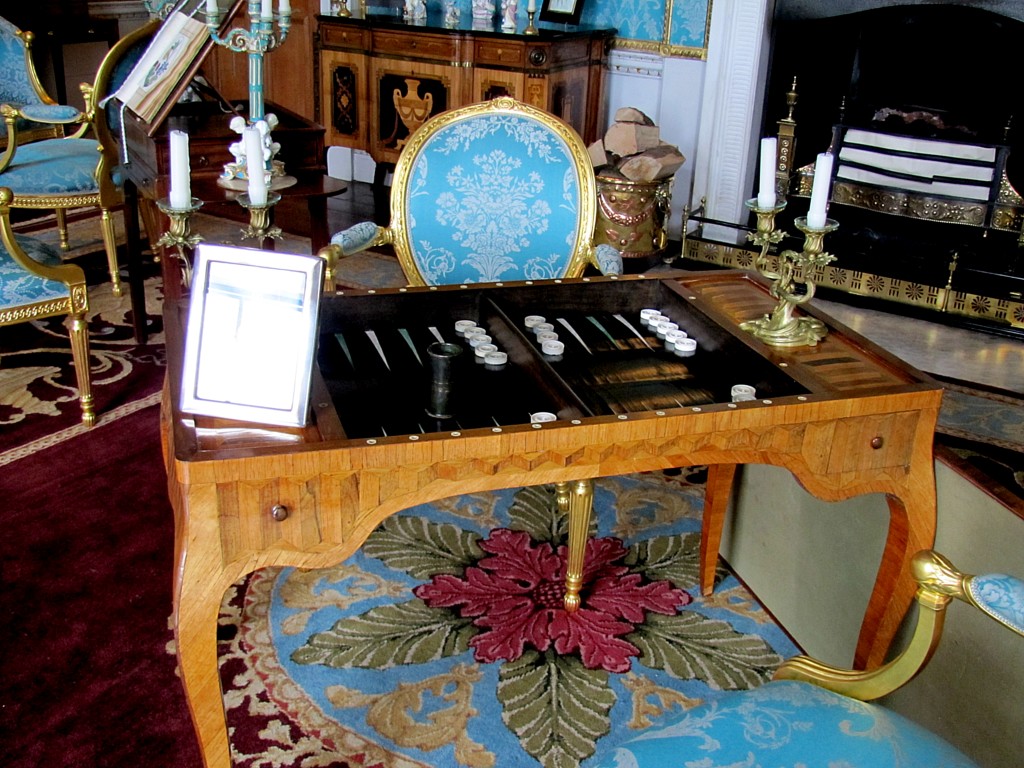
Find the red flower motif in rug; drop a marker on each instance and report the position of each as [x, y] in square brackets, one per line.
[516, 593]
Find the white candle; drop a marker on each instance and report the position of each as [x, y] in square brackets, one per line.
[254, 166]
[532, 6]
[285, 7]
[267, 9]
[819, 191]
[180, 196]
[766, 189]
[211, 8]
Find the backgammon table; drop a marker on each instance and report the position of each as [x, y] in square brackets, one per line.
[843, 416]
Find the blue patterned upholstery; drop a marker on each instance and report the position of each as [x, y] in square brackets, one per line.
[491, 192]
[492, 198]
[786, 723]
[74, 172]
[16, 84]
[54, 167]
[18, 287]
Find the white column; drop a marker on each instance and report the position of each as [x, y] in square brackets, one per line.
[726, 157]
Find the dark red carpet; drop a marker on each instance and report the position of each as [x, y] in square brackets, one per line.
[86, 593]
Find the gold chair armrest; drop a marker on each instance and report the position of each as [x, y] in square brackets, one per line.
[939, 582]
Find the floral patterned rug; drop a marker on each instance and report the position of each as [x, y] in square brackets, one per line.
[443, 642]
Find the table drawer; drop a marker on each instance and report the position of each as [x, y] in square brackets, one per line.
[403, 45]
[504, 53]
[339, 36]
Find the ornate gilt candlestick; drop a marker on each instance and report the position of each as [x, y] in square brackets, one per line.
[179, 235]
[791, 286]
[259, 218]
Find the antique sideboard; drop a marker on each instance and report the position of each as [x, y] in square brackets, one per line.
[380, 77]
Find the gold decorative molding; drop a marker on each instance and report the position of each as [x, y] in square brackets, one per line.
[661, 48]
[1008, 313]
[46, 309]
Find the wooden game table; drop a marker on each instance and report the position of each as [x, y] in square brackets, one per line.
[845, 417]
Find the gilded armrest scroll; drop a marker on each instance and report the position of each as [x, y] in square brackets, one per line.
[998, 595]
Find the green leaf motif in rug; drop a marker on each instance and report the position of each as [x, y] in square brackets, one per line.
[557, 707]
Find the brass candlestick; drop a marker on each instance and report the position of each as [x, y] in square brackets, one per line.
[259, 218]
[530, 28]
[791, 285]
[179, 235]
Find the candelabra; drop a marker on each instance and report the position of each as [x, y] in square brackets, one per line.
[780, 328]
[258, 40]
[179, 235]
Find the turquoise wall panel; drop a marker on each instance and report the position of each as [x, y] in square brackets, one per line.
[671, 27]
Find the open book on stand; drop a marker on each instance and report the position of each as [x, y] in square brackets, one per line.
[156, 77]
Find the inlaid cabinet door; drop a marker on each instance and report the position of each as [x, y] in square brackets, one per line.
[405, 94]
[344, 98]
[492, 83]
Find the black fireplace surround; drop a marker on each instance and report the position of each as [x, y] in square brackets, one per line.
[948, 72]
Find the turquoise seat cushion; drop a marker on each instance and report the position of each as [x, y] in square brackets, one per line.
[19, 288]
[785, 724]
[53, 167]
[51, 113]
[493, 198]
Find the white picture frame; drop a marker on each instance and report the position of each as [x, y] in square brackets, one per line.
[250, 339]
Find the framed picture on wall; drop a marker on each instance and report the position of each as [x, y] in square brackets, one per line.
[561, 11]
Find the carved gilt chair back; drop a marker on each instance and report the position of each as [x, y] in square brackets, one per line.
[494, 191]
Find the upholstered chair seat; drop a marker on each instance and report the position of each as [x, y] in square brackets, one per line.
[64, 167]
[34, 284]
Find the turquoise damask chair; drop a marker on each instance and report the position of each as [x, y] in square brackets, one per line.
[34, 284]
[75, 172]
[495, 191]
[814, 715]
[39, 117]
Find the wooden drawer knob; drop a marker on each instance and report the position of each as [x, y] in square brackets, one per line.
[279, 512]
[877, 442]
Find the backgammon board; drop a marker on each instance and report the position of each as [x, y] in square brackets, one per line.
[845, 417]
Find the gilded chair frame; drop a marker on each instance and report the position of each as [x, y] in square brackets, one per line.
[75, 305]
[398, 233]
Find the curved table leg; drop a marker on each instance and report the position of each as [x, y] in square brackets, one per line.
[577, 499]
[911, 529]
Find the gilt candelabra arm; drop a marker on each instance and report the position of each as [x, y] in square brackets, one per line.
[179, 236]
[256, 41]
[765, 235]
[792, 288]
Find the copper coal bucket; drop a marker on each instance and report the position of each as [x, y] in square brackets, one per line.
[631, 215]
